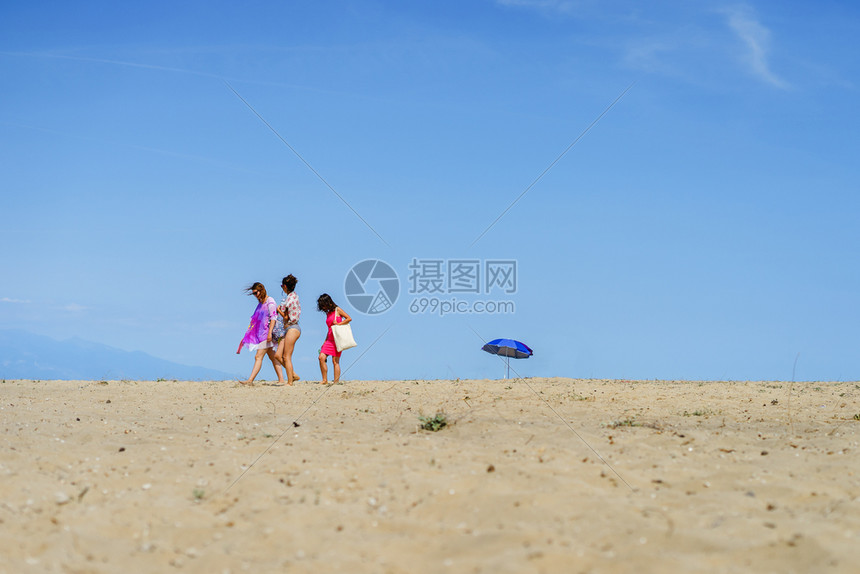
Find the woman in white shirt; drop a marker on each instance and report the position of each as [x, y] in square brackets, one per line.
[289, 312]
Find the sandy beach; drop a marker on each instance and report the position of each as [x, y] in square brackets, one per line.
[533, 475]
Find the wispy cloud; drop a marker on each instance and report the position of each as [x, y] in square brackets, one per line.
[222, 325]
[143, 66]
[50, 55]
[73, 308]
[649, 55]
[756, 38]
[561, 6]
[164, 152]
[9, 300]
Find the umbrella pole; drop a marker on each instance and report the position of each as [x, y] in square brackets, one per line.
[507, 367]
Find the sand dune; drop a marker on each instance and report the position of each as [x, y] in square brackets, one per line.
[535, 475]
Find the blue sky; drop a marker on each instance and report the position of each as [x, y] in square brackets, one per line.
[704, 228]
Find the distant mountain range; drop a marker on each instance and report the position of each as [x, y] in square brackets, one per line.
[27, 356]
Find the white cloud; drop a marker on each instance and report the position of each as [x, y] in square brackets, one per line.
[8, 300]
[73, 307]
[757, 41]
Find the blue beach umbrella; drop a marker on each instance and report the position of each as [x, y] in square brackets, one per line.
[508, 348]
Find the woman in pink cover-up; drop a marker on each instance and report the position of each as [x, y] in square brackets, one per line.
[332, 315]
[258, 337]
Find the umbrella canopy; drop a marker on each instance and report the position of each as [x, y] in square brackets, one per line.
[508, 348]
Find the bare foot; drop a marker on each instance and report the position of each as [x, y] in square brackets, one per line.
[296, 377]
[247, 383]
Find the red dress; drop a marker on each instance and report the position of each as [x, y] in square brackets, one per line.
[328, 347]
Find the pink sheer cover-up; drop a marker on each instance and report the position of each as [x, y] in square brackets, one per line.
[258, 331]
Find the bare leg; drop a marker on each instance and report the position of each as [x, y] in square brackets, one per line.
[323, 368]
[279, 353]
[276, 362]
[280, 350]
[336, 362]
[258, 363]
[289, 343]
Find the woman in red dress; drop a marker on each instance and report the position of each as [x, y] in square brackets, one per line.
[333, 314]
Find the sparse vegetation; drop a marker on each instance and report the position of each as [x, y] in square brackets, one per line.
[699, 413]
[857, 417]
[434, 423]
[198, 494]
[625, 423]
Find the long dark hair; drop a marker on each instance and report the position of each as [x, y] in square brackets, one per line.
[325, 304]
[256, 286]
[289, 282]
